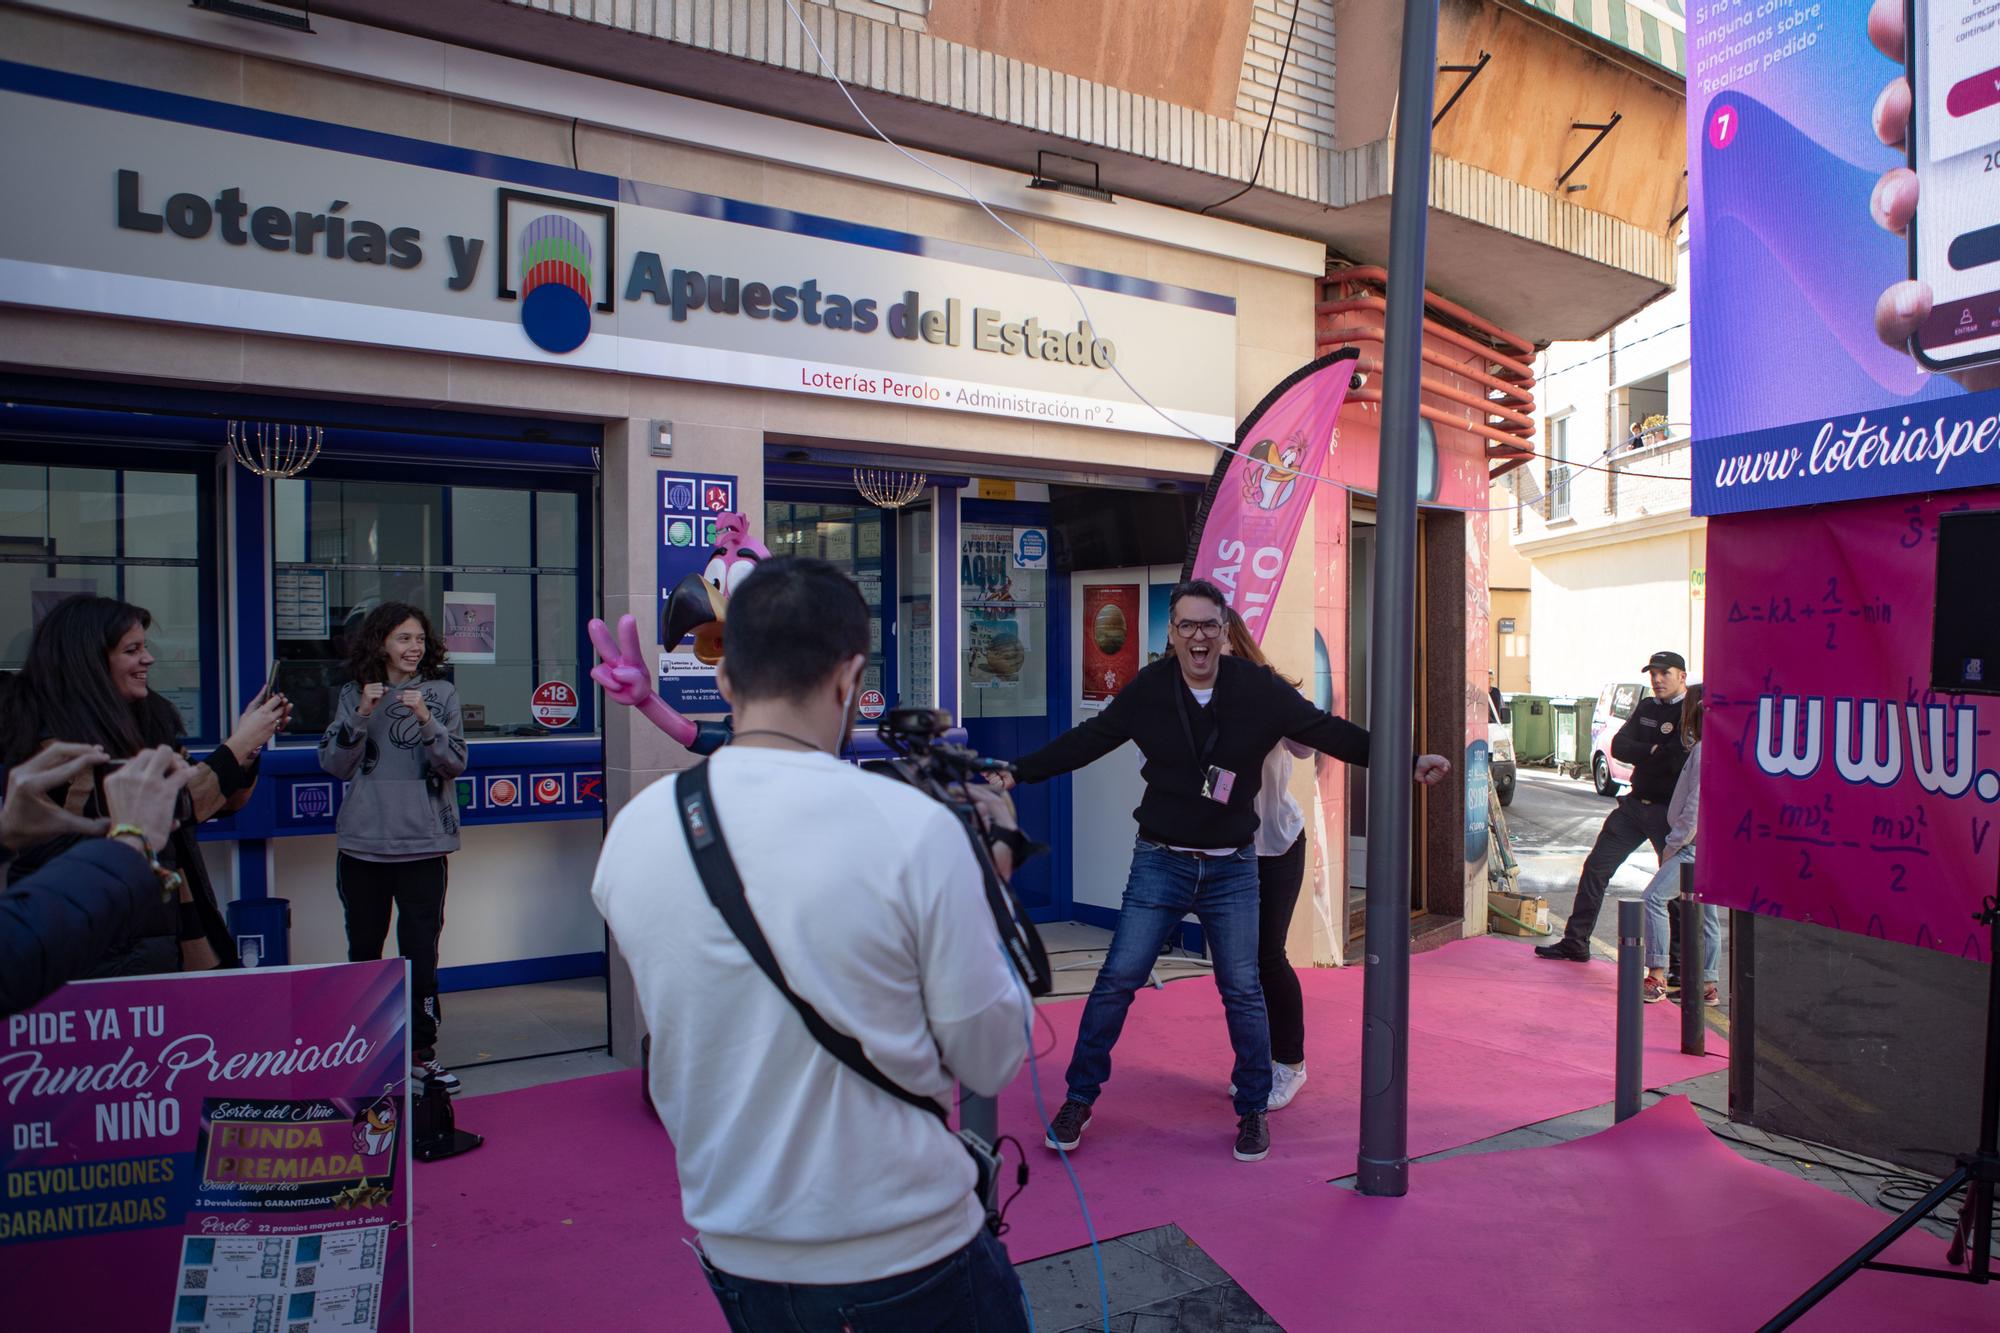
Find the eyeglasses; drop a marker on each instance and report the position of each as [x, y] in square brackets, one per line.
[1198, 629]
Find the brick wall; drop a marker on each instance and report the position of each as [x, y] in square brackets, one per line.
[1305, 95]
[897, 13]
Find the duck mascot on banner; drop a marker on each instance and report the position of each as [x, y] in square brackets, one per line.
[698, 605]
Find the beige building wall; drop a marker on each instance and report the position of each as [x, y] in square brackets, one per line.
[1509, 580]
[1604, 609]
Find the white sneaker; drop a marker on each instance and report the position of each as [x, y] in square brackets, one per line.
[430, 1072]
[1285, 1085]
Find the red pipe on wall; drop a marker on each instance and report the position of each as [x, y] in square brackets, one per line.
[1328, 339]
[1376, 305]
[1373, 276]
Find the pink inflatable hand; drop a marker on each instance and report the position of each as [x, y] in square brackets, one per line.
[626, 680]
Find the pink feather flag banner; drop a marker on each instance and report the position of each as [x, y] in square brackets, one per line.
[1256, 502]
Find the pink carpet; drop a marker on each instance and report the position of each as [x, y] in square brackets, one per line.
[569, 1217]
[1498, 1039]
[1652, 1224]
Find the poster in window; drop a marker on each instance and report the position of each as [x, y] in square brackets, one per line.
[1110, 641]
[689, 510]
[299, 604]
[471, 627]
[46, 594]
[1159, 610]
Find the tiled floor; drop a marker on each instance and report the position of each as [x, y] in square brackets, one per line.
[519, 1036]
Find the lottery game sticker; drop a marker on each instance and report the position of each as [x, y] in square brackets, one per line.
[338, 1308]
[233, 1265]
[339, 1258]
[226, 1314]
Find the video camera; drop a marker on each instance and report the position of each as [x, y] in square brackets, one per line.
[943, 770]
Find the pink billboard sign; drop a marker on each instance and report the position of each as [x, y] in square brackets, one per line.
[1258, 499]
[1837, 787]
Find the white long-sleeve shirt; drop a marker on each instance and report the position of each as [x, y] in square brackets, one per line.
[1682, 809]
[792, 1167]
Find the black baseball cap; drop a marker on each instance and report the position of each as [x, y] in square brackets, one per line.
[1666, 661]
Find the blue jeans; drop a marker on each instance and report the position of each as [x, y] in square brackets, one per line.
[1165, 886]
[1666, 887]
[974, 1290]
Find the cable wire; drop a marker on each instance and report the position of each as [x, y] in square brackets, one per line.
[1264, 141]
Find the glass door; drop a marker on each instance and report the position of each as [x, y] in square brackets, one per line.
[1013, 660]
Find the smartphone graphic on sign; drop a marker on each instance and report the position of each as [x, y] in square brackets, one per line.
[1952, 57]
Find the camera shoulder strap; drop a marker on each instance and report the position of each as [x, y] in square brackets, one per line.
[725, 889]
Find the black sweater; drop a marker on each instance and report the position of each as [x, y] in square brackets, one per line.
[1252, 709]
[1650, 741]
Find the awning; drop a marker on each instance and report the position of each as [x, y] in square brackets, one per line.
[1655, 32]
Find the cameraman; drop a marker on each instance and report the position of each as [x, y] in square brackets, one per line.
[816, 1195]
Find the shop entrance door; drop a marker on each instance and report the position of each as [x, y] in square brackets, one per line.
[1118, 624]
[1013, 666]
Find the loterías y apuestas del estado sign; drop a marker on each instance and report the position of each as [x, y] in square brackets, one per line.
[274, 224]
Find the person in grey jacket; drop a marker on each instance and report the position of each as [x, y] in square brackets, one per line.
[397, 740]
[1683, 811]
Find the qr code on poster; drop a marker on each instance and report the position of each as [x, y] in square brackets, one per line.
[299, 1328]
[196, 1279]
[307, 1275]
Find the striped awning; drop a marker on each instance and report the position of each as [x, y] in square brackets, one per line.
[1641, 29]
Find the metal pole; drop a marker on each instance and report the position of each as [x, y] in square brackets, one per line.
[1742, 1015]
[1694, 963]
[1383, 1164]
[1631, 1006]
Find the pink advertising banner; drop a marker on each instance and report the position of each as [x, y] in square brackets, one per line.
[1257, 500]
[1837, 788]
[209, 1151]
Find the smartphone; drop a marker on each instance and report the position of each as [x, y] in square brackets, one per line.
[271, 681]
[1953, 142]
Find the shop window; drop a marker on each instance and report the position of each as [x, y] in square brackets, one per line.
[138, 534]
[502, 571]
[1003, 626]
[1559, 469]
[916, 661]
[859, 539]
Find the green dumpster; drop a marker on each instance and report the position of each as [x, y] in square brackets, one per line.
[1572, 728]
[1534, 728]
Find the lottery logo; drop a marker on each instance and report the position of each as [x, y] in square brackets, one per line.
[716, 497]
[555, 283]
[547, 788]
[590, 788]
[502, 792]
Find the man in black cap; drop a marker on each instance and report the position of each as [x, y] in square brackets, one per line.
[1650, 741]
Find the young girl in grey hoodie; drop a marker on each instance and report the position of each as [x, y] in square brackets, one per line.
[398, 742]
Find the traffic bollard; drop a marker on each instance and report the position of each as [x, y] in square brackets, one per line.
[1631, 1007]
[1694, 969]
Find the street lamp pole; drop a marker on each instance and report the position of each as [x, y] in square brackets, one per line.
[1383, 1166]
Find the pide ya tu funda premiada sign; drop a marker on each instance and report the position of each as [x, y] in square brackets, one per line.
[157, 206]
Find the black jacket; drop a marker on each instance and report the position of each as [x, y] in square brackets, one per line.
[57, 924]
[153, 943]
[1651, 742]
[1251, 711]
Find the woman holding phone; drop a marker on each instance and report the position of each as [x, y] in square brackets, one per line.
[87, 680]
[397, 740]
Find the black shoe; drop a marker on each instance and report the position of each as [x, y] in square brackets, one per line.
[1253, 1138]
[1070, 1122]
[1567, 950]
[1673, 983]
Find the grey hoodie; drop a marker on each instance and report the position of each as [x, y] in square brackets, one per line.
[402, 801]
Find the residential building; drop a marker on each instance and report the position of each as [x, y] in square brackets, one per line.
[1615, 558]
